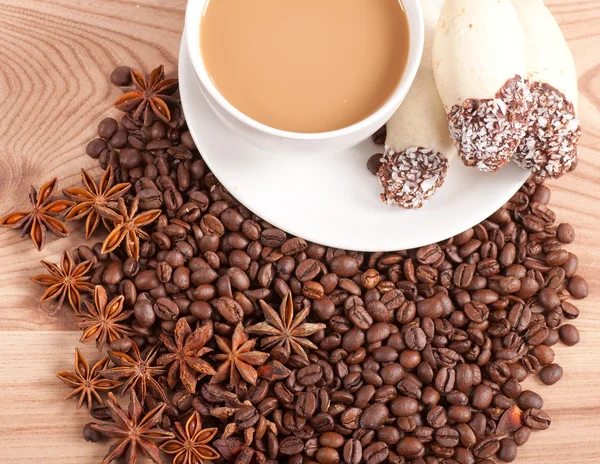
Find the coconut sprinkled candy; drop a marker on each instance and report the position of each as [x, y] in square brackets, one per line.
[480, 69]
[549, 148]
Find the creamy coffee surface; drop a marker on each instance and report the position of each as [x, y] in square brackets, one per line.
[305, 65]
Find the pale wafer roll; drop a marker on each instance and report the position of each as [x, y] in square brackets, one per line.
[418, 144]
[479, 68]
[549, 148]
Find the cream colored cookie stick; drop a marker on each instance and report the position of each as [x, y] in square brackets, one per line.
[479, 67]
[548, 57]
[418, 144]
[549, 148]
[421, 120]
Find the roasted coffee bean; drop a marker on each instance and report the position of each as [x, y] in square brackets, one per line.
[459, 414]
[91, 435]
[389, 435]
[530, 399]
[353, 451]
[374, 417]
[331, 440]
[430, 307]
[229, 309]
[512, 388]
[415, 338]
[309, 375]
[359, 316]
[392, 373]
[410, 359]
[246, 416]
[565, 233]
[409, 447]
[553, 337]
[290, 446]
[476, 311]
[322, 422]
[544, 354]
[313, 290]
[326, 456]
[437, 417]
[144, 313]
[376, 453]
[146, 280]
[445, 379]
[385, 354]
[486, 448]
[404, 406]
[569, 334]
[482, 397]
[351, 416]
[536, 419]
[430, 254]
[447, 437]
[466, 435]
[166, 309]
[578, 287]
[344, 265]
[122, 345]
[463, 275]
[548, 298]
[121, 76]
[522, 435]
[551, 374]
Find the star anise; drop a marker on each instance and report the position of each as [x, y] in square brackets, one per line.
[185, 351]
[191, 445]
[136, 432]
[103, 322]
[67, 280]
[86, 382]
[137, 373]
[127, 227]
[148, 95]
[92, 196]
[238, 358]
[284, 329]
[42, 217]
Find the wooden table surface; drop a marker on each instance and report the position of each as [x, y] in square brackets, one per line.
[55, 57]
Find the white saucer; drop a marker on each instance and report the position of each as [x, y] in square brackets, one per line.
[334, 200]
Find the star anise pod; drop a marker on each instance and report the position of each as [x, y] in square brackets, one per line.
[42, 217]
[137, 373]
[238, 358]
[136, 432]
[127, 227]
[185, 351]
[284, 329]
[92, 196]
[67, 280]
[148, 95]
[103, 321]
[86, 382]
[191, 445]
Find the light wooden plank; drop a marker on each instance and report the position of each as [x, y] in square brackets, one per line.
[56, 56]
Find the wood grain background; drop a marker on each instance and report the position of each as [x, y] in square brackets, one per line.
[55, 57]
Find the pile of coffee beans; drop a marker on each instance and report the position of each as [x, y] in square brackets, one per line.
[423, 352]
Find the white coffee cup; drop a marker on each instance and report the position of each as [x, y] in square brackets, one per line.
[279, 141]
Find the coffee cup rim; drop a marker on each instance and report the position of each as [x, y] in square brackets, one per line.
[193, 16]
